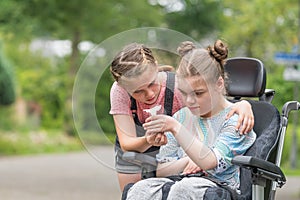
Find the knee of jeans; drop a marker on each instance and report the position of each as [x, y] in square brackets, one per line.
[178, 187]
[182, 186]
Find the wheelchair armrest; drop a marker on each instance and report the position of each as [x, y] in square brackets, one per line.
[289, 106]
[268, 95]
[261, 168]
[139, 158]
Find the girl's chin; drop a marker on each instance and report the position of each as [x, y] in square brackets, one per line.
[195, 111]
[151, 101]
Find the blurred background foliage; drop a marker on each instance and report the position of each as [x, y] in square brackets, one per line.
[36, 80]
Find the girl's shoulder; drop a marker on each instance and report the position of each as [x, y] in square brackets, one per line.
[116, 87]
[116, 91]
[184, 114]
[232, 119]
[220, 119]
[119, 100]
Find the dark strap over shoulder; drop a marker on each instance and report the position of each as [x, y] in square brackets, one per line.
[169, 93]
[133, 109]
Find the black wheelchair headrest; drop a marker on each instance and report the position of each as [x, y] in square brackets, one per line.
[247, 77]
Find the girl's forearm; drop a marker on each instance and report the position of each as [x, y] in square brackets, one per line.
[194, 148]
[139, 144]
[126, 131]
[171, 168]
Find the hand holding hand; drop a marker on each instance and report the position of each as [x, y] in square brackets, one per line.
[156, 139]
[160, 124]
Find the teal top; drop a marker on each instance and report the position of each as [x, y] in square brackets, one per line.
[219, 135]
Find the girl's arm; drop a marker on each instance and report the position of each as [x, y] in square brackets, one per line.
[184, 165]
[126, 131]
[198, 152]
[246, 118]
[125, 128]
[203, 156]
[172, 167]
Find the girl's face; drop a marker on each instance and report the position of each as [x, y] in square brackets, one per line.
[144, 88]
[201, 97]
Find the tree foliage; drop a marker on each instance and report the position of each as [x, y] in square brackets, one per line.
[198, 18]
[7, 86]
[259, 29]
[255, 28]
[49, 84]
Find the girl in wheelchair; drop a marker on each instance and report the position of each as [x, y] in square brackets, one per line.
[200, 138]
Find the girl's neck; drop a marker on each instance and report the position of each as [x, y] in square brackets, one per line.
[223, 104]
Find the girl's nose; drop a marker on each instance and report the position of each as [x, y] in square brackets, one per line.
[149, 93]
[190, 99]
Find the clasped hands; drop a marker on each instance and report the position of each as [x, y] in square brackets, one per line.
[155, 127]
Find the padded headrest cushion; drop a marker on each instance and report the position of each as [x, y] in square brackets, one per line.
[247, 77]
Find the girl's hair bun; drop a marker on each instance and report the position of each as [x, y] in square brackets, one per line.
[185, 47]
[219, 51]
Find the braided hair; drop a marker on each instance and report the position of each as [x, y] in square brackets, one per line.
[132, 61]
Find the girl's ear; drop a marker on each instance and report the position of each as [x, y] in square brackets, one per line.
[220, 84]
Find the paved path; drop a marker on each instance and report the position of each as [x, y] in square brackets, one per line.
[74, 176]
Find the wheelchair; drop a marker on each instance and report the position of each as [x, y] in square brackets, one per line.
[260, 174]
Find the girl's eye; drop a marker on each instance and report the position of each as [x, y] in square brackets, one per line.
[137, 92]
[199, 93]
[154, 83]
[183, 93]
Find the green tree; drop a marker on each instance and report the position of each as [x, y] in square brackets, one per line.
[89, 20]
[7, 86]
[259, 29]
[76, 21]
[197, 18]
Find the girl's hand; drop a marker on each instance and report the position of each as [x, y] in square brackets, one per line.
[156, 139]
[191, 168]
[160, 124]
[246, 118]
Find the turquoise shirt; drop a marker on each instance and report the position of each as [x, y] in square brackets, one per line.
[219, 135]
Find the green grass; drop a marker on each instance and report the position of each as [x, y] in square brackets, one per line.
[288, 171]
[285, 161]
[48, 141]
[97, 138]
[36, 142]
[291, 172]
